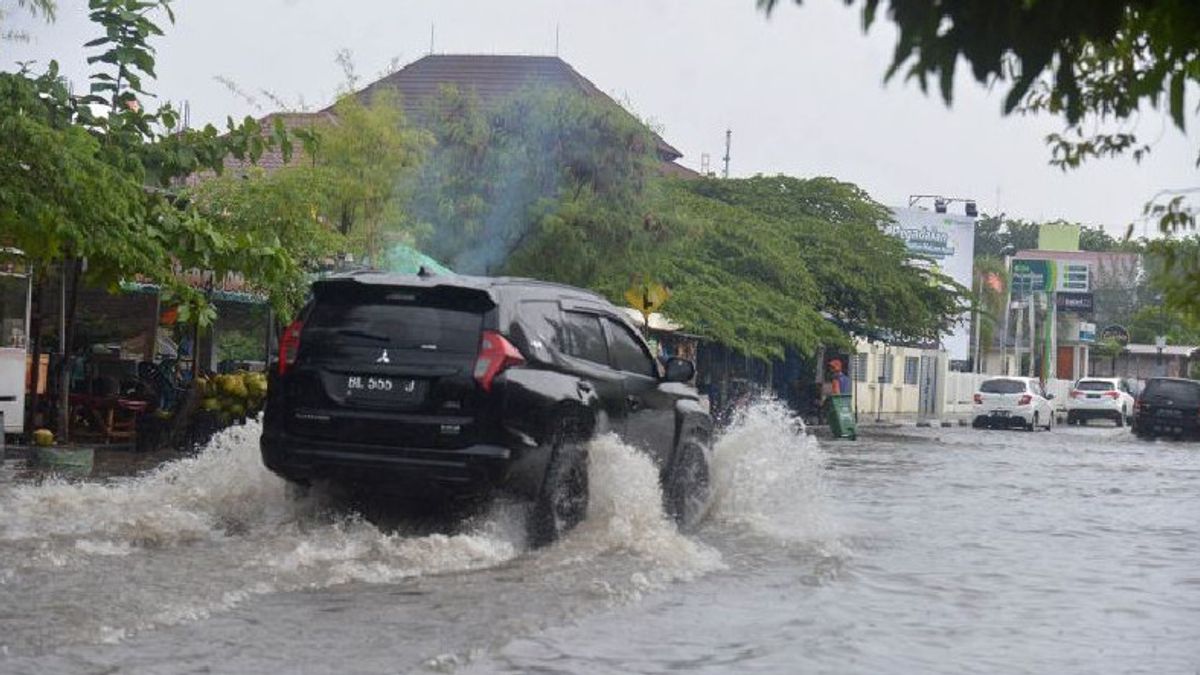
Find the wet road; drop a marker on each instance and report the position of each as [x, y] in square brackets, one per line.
[950, 551]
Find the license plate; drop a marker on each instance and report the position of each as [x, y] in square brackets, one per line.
[1093, 395]
[1169, 412]
[999, 413]
[383, 389]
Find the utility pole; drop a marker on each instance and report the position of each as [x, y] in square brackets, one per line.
[1051, 359]
[728, 138]
[1019, 330]
[1033, 303]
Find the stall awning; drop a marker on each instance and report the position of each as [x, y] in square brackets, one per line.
[231, 289]
[404, 259]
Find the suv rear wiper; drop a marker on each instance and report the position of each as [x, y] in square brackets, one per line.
[363, 334]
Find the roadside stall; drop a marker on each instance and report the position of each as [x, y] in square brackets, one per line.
[216, 360]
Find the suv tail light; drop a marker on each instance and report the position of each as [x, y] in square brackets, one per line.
[1112, 394]
[495, 355]
[978, 399]
[289, 345]
[1075, 393]
[1025, 399]
[1137, 404]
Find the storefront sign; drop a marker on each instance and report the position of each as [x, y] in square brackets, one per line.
[1119, 334]
[1080, 303]
[1087, 332]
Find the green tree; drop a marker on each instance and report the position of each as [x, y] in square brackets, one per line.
[996, 234]
[546, 164]
[867, 280]
[1096, 239]
[1173, 270]
[361, 159]
[81, 178]
[564, 188]
[1094, 65]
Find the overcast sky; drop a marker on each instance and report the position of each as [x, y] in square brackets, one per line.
[802, 90]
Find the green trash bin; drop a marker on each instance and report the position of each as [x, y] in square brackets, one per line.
[841, 416]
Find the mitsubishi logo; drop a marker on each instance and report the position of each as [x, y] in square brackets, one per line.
[383, 358]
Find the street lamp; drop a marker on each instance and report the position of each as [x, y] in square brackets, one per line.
[941, 204]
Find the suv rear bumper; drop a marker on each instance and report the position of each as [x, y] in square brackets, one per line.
[1186, 427]
[476, 469]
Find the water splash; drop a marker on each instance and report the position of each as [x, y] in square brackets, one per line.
[218, 528]
[223, 489]
[204, 534]
[768, 476]
[625, 513]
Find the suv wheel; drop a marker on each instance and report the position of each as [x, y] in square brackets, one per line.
[687, 487]
[562, 502]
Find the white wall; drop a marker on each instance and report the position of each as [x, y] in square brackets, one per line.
[961, 387]
[899, 399]
[959, 391]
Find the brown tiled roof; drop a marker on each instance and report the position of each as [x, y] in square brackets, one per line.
[491, 77]
[673, 170]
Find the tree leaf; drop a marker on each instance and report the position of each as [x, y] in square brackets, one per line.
[1177, 99]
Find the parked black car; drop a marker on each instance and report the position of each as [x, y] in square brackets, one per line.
[1168, 406]
[448, 386]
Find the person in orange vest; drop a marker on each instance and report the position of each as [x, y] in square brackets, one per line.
[839, 382]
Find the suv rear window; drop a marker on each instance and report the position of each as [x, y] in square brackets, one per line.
[1185, 393]
[1003, 387]
[1095, 385]
[397, 318]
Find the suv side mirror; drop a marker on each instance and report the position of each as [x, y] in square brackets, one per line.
[1049, 397]
[680, 370]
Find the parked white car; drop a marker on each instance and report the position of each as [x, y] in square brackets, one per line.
[1013, 402]
[1100, 397]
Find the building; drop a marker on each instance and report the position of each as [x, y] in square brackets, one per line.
[1060, 301]
[1139, 361]
[492, 78]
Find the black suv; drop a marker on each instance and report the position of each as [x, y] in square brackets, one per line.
[1168, 406]
[447, 386]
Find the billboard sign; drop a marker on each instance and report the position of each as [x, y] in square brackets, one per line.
[1032, 276]
[948, 242]
[1044, 276]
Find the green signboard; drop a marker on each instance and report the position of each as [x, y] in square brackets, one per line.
[1031, 276]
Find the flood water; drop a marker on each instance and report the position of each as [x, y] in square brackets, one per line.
[943, 550]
